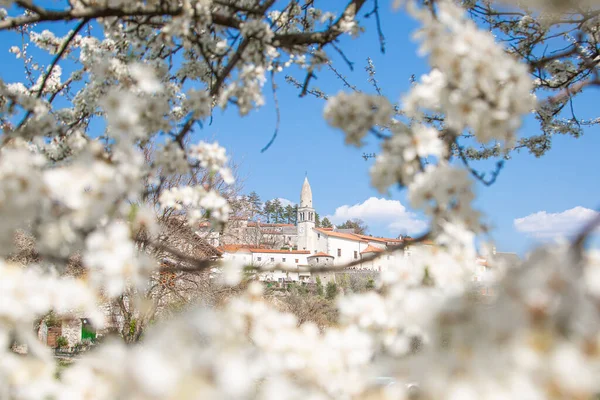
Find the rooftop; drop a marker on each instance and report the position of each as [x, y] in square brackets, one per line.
[234, 248]
[320, 254]
[279, 251]
[371, 249]
[347, 236]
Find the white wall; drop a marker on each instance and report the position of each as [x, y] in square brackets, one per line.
[347, 247]
[240, 256]
[284, 258]
[268, 259]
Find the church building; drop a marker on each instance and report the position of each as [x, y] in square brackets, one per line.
[315, 247]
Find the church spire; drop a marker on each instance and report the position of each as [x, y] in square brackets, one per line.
[306, 195]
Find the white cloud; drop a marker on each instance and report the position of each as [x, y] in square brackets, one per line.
[544, 225]
[390, 215]
[285, 202]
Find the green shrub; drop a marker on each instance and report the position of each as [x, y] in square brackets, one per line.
[370, 284]
[331, 290]
[61, 342]
[52, 320]
[319, 286]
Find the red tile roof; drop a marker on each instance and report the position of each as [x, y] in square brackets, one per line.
[233, 248]
[347, 236]
[371, 249]
[320, 254]
[377, 239]
[268, 225]
[279, 251]
[357, 236]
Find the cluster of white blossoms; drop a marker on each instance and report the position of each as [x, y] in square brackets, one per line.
[476, 84]
[212, 157]
[78, 180]
[198, 203]
[113, 261]
[357, 113]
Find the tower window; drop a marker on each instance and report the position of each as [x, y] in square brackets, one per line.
[339, 252]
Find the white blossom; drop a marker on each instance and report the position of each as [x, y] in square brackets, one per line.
[356, 114]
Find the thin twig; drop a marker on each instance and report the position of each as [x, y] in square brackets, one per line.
[375, 11]
[480, 176]
[61, 52]
[277, 113]
[390, 249]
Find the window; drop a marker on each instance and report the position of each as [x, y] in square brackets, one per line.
[355, 254]
[317, 259]
[283, 259]
[272, 259]
[388, 258]
[296, 261]
[258, 258]
[339, 252]
[318, 236]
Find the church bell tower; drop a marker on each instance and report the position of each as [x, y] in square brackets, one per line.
[306, 219]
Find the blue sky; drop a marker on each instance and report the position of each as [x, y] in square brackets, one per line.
[565, 178]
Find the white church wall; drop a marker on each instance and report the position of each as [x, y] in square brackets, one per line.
[321, 243]
[344, 250]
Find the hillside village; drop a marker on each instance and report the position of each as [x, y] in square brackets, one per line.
[298, 248]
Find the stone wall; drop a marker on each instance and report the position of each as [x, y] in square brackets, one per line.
[71, 329]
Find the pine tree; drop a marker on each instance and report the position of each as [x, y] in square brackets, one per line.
[326, 223]
[268, 210]
[357, 225]
[277, 210]
[289, 214]
[254, 204]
